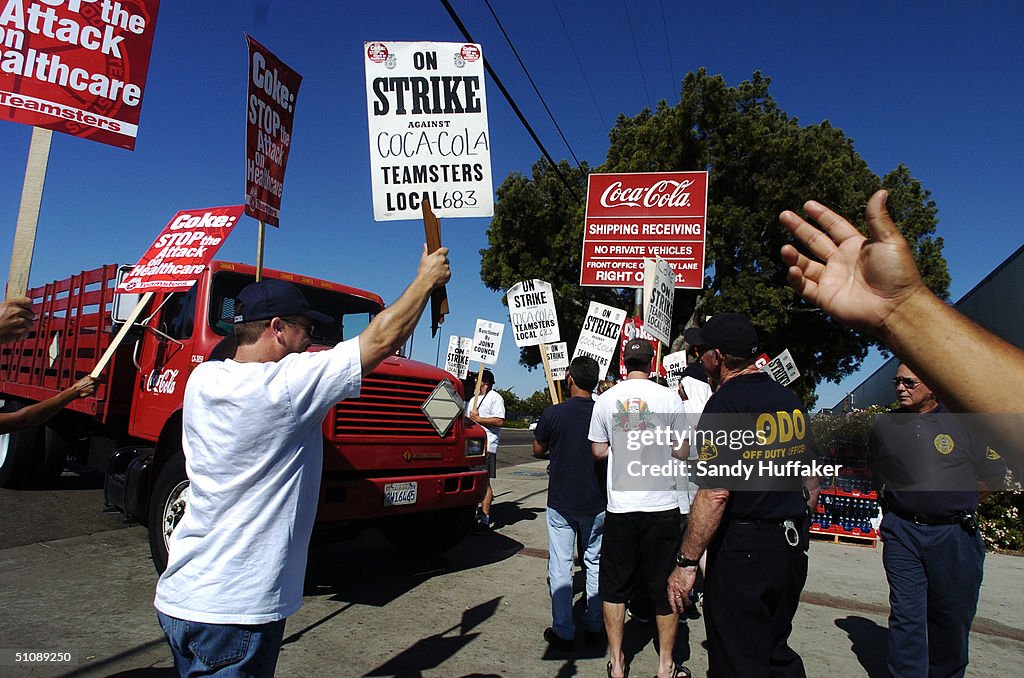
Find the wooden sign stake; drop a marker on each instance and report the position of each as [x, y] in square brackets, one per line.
[28, 212]
[439, 297]
[547, 374]
[259, 251]
[122, 333]
[476, 390]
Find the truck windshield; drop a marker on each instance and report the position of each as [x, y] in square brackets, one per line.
[353, 313]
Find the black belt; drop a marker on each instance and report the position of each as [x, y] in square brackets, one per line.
[925, 519]
[757, 522]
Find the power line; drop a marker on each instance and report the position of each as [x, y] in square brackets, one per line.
[512, 103]
[636, 50]
[530, 78]
[668, 45]
[586, 80]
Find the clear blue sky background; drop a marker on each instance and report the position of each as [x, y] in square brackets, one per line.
[936, 86]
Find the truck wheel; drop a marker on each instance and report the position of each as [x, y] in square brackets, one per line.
[166, 507]
[19, 453]
[430, 533]
[57, 444]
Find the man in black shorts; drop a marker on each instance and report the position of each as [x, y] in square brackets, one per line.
[641, 529]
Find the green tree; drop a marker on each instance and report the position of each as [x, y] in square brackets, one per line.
[760, 162]
[535, 404]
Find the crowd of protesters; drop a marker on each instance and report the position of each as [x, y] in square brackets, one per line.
[252, 440]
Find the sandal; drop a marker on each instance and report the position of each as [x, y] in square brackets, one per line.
[625, 672]
[682, 672]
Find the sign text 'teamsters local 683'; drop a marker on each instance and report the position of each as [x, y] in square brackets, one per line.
[428, 129]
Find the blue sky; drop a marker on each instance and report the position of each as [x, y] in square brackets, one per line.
[936, 86]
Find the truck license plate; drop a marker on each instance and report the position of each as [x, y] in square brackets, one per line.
[399, 494]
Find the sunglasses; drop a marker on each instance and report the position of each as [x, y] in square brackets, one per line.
[308, 329]
[906, 382]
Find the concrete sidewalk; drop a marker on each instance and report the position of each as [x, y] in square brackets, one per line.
[477, 611]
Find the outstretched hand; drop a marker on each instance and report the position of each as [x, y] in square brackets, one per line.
[434, 267]
[862, 280]
[16, 318]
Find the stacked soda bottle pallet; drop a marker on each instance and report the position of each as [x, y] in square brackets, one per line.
[848, 510]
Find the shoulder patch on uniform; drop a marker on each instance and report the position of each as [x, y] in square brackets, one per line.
[708, 451]
[944, 443]
[992, 454]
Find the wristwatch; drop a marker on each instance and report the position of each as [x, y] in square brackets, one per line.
[683, 561]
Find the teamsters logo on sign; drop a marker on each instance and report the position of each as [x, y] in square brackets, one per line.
[632, 217]
[428, 129]
[76, 66]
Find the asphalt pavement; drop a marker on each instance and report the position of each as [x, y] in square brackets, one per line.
[478, 610]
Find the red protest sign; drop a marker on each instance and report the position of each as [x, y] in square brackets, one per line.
[631, 329]
[77, 67]
[182, 250]
[270, 110]
[631, 217]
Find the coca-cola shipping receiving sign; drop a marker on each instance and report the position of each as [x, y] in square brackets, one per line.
[77, 67]
[182, 251]
[270, 111]
[631, 217]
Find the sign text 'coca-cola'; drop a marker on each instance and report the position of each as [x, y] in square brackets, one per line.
[631, 217]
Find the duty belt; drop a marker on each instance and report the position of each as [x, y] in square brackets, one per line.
[925, 519]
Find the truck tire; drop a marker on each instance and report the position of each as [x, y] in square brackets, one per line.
[166, 507]
[19, 453]
[57, 444]
[430, 533]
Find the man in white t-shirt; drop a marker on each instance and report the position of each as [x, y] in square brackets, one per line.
[489, 412]
[254, 453]
[641, 529]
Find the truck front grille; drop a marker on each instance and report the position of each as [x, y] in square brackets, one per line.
[388, 407]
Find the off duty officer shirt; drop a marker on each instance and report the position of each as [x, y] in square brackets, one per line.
[577, 482]
[929, 463]
[736, 409]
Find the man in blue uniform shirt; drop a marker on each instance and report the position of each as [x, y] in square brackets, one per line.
[930, 469]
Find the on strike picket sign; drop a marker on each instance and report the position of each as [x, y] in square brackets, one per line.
[601, 329]
[674, 364]
[428, 129]
[270, 111]
[558, 359]
[659, 293]
[631, 217]
[182, 250]
[531, 306]
[77, 67]
[457, 357]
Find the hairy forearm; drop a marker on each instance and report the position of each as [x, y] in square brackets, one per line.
[705, 517]
[392, 326]
[935, 351]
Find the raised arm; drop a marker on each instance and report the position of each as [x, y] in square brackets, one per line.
[392, 326]
[872, 284]
[39, 413]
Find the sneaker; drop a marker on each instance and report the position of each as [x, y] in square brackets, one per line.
[556, 642]
[483, 523]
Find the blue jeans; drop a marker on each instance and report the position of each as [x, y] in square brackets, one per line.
[225, 650]
[562, 530]
[934, 574]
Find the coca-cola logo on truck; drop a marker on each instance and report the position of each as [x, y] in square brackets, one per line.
[664, 193]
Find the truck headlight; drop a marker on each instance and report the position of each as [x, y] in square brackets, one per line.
[475, 447]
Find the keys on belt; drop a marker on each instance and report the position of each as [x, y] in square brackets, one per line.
[789, 527]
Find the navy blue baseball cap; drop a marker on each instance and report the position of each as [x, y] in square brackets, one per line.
[272, 298]
[730, 333]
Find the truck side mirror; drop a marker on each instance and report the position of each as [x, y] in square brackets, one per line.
[123, 304]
